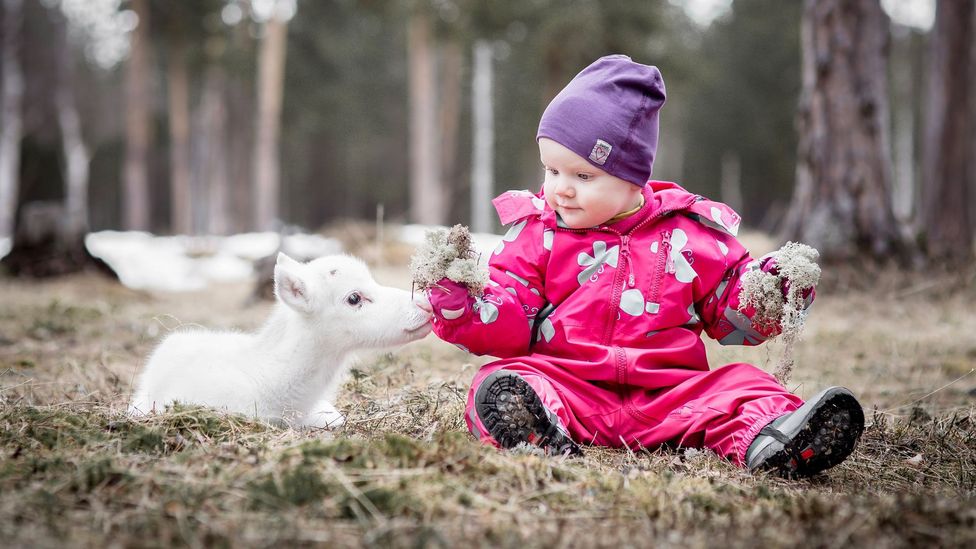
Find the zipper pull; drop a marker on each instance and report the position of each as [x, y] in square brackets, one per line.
[625, 254]
[666, 249]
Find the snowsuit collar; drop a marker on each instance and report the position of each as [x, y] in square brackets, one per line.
[659, 197]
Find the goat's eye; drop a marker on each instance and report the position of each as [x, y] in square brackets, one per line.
[354, 299]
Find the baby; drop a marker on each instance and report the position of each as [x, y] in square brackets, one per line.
[599, 294]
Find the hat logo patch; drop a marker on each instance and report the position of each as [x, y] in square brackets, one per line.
[600, 152]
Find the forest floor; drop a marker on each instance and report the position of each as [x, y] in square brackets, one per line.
[404, 472]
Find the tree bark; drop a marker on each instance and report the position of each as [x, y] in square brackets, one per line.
[41, 247]
[842, 200]
[948, 166]
[427, 199]
[181, 218]
[271, 80]
[135, 193]
[11, 117]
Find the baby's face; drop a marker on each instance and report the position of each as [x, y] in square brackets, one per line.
[583, 195]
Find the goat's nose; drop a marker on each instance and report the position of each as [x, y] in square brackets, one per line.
[421, 301]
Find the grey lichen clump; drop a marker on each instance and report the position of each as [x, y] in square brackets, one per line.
[448, 254]
[797, 265]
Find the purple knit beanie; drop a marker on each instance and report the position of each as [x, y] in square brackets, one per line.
[608, 114]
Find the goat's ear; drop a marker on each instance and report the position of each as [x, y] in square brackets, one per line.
[283, 259]
[290, 285]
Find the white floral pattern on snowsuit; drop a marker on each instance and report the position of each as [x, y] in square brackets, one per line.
[593, 264]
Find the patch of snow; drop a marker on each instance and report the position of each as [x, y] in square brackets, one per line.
[187, 263]
[251, 246]
[225, 268]
[254, 246]
[311, 245]
[147, 262]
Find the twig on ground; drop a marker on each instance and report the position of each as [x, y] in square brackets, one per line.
[920, 399]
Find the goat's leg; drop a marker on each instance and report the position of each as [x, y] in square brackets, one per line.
[323, 415]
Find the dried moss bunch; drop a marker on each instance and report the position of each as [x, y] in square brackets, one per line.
[448, 253]
[797, 264]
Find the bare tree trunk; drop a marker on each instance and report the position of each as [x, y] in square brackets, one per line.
[842, 201]
[555, 77]
[427, 199]
[138, 136]
[949, 168]
[452, 59]
[215, 159]
[199, 199]
[903, 194]
[483, 156]
[673, 162]
[49, 238]
[77, 157]
[905, 94]
[11, 123]
[271, 80]
[181, 219]
[731, 182]
[240, 101]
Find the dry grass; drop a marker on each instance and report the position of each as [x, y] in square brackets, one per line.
[403, 472]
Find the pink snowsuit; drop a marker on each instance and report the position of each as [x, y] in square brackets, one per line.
[605, 324]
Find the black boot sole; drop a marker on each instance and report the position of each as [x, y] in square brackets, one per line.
[513, 414]
[828, 437]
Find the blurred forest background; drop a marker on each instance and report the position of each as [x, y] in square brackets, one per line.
[848, 124]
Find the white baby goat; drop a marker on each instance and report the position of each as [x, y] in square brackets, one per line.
[289, 371]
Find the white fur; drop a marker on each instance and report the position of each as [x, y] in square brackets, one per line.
[287, 372]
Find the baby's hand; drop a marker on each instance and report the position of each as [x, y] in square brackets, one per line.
[448, 298]
[769, 264]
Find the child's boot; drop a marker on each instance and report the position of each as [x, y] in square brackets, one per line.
[513, 414]
[817, 436]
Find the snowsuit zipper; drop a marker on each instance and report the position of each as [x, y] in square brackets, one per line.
[664, 262]
[617, 286]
